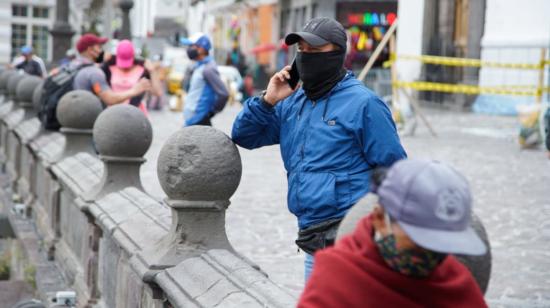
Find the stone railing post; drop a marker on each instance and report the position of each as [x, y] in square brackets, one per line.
[5, 110]
[76, 112]
[199, 168]
[24, 94]
[122, 135]
[26, 132]
[4, 76]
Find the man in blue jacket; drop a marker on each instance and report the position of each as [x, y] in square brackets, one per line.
[206, 92]
[332, 132]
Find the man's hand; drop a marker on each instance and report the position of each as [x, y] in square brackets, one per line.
[141, 86]
[278, 87]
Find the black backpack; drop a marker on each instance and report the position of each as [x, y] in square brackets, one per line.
[55, 86]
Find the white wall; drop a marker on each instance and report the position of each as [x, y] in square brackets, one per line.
[170, 8]
[5, 32]
[196, 18]
[410, 14]
[142, 17]
[515, 31]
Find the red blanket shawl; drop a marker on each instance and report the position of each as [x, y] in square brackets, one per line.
[353, 274]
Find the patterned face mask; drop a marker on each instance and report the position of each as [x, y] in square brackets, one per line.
[417, 263]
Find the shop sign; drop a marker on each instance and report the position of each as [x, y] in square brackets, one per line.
[371, 19]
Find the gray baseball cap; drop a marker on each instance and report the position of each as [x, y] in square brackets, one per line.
[432, 203]
[318, 32]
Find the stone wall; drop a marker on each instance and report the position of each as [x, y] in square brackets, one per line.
[113, 244]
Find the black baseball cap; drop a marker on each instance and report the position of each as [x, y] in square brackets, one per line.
[318, 32]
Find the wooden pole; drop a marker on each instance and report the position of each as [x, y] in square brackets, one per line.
[540, 85]
[393, 71]
[377, 51]
[418, 110]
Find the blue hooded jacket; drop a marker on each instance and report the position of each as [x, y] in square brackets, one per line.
[328, 146]
[206, 92]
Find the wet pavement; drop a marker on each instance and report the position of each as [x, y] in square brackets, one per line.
[511, 190]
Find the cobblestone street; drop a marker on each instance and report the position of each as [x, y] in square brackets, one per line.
[511, 191]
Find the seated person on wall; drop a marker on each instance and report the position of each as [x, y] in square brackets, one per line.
[398, 256]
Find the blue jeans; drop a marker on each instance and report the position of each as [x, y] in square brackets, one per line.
[308, 266]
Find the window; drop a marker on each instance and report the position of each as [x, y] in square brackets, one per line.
[18, 38]
[19, 10]
[40, 12]
[30, 27]
[40, 37]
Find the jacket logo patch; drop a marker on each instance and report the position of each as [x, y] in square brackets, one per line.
[331, 123]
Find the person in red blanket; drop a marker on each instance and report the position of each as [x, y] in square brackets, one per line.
[400, 255]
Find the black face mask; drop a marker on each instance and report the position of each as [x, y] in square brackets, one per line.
[192, 53]
[320, 71]
[100, 57]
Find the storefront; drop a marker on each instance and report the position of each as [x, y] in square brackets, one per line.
[366, 23]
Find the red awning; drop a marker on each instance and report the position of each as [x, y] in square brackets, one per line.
[265, 47]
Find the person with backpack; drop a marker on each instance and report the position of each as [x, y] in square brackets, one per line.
[91, 78]
[122, 72]
[206, 92]
[82, 74]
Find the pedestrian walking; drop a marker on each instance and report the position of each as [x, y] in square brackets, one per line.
[91, 78]
[206, 92]
[30, 63]
[332, 132]
[400, 255]
[122, 71]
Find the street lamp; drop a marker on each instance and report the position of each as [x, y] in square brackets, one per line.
[61, 31]
[126, 6]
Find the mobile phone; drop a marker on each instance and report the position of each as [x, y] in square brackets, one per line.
[294, 76]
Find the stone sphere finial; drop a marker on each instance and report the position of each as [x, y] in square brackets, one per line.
[199, 163]
[4, 77]
[25, 88]
[13, 82]
[37, 96]
[78, 109]
[123, 131]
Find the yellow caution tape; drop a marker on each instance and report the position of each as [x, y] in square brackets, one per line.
[451, 61]
[471, 89]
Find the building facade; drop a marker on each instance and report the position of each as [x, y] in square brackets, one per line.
[25, 22]
[515, 32]
[508, 31]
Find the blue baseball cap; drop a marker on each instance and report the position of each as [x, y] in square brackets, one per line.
[432, 203]
[199, 39]
[26, 50]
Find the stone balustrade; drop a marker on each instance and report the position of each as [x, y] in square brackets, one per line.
[115, 245]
